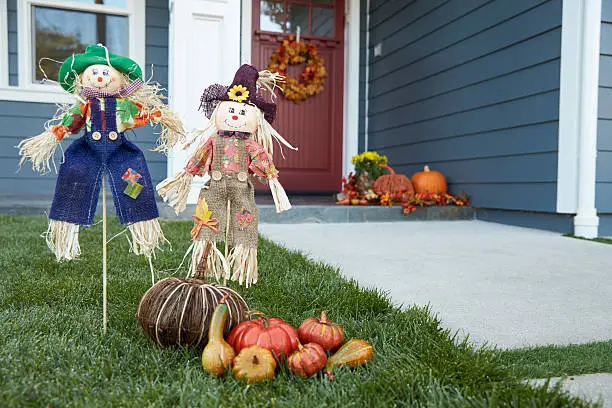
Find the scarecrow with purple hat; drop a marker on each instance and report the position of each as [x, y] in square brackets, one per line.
[111, 98]
[235, 148]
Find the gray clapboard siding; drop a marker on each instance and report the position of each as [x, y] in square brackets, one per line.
[19, 120]
[11, 7]
[471, 88]
[603, 193]
[605, 225]
[363, 11]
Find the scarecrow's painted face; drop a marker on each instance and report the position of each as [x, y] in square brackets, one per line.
[236, 116]
[102, 77]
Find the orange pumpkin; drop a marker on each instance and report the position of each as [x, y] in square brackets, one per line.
[307, 360]
[428, 181]
[270, 333]
[321, 331]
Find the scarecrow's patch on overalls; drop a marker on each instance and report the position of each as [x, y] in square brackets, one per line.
[102, 150]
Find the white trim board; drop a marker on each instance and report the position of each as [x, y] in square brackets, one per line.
[350, 145]
[569, 112]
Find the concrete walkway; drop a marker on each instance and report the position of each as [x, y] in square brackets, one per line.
[505, 286]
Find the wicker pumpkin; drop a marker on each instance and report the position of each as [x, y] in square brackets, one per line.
[179, 311]
[428, 181]
[398, 186]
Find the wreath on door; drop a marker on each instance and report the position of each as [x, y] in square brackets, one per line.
[311, 81]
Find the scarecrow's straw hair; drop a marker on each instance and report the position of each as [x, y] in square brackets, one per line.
[264, 135]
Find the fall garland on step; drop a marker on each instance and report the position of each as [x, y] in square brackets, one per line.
[311, 81]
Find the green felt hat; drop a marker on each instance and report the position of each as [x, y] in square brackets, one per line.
[96, 54]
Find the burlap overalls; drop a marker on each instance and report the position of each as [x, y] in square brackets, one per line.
[237, 188]
[102, 150]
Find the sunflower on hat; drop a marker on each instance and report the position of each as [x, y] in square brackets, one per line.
[238, 93]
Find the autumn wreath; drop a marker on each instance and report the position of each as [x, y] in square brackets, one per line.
[311, 80]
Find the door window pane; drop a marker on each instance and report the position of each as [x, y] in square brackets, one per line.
[323, 1]
[323, 21]
[271, 16]
[297, 15]
[56, 36]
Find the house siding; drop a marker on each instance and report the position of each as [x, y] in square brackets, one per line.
[470, 88]
[19, 120]
[363, 30]
[603, 191]
[11, 8]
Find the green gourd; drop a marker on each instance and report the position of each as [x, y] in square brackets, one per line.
[217, 356]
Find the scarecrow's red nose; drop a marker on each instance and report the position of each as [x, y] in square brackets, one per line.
[235, 117]
[99, 79]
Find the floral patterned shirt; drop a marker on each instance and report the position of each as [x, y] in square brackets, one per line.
[258, 160]
[130, 115]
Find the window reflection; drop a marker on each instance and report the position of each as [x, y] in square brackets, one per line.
[59, 33]
[271, 17]
[297, 15]
[323, 21]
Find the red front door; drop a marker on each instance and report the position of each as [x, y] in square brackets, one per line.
[315, 125]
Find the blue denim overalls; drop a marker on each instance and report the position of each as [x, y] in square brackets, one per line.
[101, 151]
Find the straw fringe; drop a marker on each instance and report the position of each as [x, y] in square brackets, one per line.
[281, 201]
[216, 264]
[63, 240]
[151, 96]
[175, 190]
[39, 150]
[243, 261]
[269, 80]
[147, 236]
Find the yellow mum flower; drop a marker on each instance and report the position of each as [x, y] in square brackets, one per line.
[238, 93]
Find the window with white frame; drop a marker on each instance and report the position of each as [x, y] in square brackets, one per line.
[49, 31]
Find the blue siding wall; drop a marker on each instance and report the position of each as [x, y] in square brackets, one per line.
[470, 88]
[19, 120]
[603, 196]
[11, 8]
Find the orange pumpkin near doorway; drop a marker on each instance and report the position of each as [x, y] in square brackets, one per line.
[428, 181]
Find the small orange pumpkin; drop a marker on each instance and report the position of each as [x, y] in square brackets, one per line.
[321, 331]
[428, 181]
[307, 360]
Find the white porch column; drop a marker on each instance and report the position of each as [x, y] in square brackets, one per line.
[204, 49]
[586, 221]
[351, 85]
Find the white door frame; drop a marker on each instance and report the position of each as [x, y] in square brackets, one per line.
[350, 125]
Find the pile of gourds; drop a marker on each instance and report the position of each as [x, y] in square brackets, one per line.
[254, 348]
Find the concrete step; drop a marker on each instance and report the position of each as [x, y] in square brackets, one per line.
[299, 213]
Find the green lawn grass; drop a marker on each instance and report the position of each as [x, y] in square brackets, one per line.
[600, 240]
[559, 361]
[53, 352]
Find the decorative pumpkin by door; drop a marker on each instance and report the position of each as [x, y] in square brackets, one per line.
[398, 186]
[428, 181]
[271, 333]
